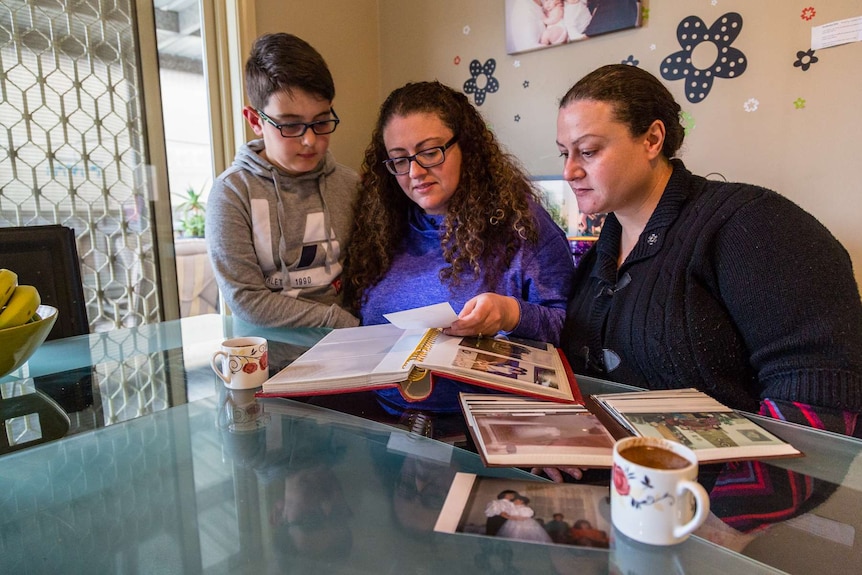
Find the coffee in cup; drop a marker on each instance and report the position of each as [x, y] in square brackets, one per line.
[655, 457]
[655, 496]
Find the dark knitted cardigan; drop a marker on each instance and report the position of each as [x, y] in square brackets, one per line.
[732, 289]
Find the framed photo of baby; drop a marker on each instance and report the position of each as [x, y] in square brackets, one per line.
[537, 24]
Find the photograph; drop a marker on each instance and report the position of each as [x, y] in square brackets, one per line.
[533, 511]
[701, 430]
[581, 229]
[523, 434]
[511, 349]
[538, 24]
[491, 364]
[546, 377]
[507, 367]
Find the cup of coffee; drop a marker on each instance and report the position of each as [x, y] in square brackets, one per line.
[242, 362]
[655, 496]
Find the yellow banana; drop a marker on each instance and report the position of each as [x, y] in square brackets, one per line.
[20, 307]
[8, 281]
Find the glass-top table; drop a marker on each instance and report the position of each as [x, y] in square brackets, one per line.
[163, 470]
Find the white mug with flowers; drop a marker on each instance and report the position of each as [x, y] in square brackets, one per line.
[242, 363]
[656, 498]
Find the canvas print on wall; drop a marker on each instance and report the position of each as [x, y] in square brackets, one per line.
[536, 24]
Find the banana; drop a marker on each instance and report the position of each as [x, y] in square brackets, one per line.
[20, 307]
[8, 281]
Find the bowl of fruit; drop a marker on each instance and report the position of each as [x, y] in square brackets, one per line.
[24, 322]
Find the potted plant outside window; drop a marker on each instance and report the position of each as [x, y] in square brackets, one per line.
[192, 208]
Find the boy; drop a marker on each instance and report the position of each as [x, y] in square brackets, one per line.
[279, 218]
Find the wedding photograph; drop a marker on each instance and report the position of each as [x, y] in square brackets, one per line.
[539, 512]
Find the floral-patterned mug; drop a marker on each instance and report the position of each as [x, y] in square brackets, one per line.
[655, 496]
[242, 362]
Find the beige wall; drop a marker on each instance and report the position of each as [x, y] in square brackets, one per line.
[810, 155]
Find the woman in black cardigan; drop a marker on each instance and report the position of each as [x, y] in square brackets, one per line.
[726, 287]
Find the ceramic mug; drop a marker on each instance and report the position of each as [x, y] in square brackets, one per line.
[655, 496]
[242, 362]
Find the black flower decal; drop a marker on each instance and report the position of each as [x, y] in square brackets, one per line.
[631, 61]
[483, 80]
[805, 59]
[729, 62]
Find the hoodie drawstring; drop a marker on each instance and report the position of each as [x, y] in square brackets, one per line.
[327, 227]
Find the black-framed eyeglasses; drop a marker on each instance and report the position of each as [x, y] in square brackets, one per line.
[427, 158]
[297, 129]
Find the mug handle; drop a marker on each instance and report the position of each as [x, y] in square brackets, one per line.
[218, 372]
[701, 498]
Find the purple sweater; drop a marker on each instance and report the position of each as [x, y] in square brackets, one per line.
[539, 277]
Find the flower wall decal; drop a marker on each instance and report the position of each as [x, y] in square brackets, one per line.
[808, 13]
[631, 61]
[687, 121]
[805, 59]
[751, 105]
[482, 81]
[799, 103]
[729, 62]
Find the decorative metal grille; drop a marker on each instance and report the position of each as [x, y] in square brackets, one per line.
[72, 147]
[72, 152]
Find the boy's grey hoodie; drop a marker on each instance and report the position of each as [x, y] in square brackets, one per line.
[277, 242]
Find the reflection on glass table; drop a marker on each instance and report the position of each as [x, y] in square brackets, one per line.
[110, 377]
[219, 481]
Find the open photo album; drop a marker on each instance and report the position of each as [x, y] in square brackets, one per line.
[527, 432]
[380, 356]
[712, 430]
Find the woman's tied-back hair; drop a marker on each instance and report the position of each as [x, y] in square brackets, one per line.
[488, 217]
[283, 62]
[639, 99]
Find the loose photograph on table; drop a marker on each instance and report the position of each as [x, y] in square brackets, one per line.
[534, 511]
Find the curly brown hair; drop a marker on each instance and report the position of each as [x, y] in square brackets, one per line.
[488, 218]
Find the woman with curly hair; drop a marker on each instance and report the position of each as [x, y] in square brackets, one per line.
[444, 214]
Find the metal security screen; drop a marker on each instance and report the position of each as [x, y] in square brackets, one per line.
[72, 147]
